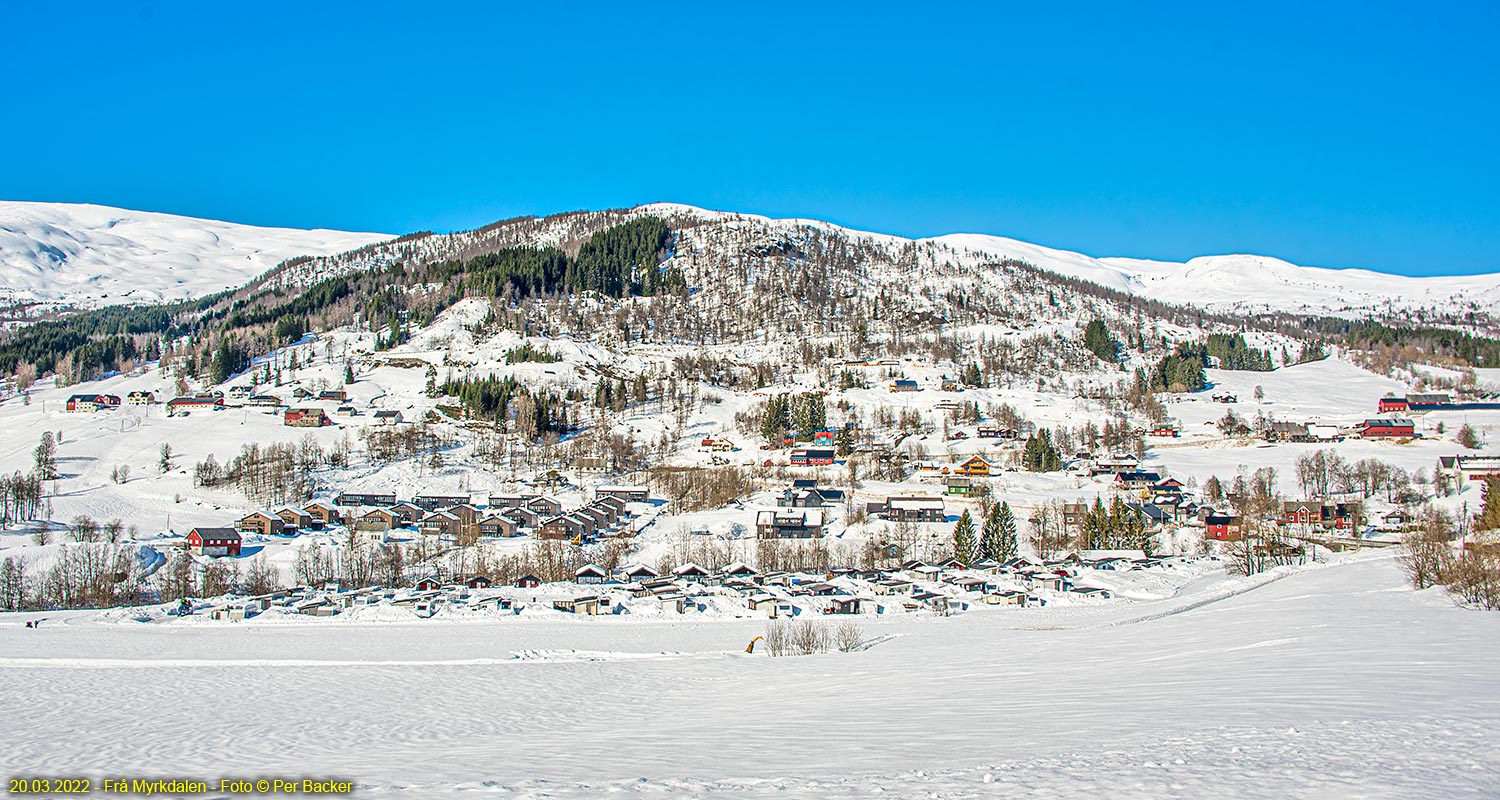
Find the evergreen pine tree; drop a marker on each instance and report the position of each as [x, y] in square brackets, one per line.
[1039, 454]
[1096, 527]
[1489, 516]
[965, 541]
[777, 419]
[999, 543]
[1096, 340]
[1030, 454]
[844, 441]
[1051, 460]
[971, 376]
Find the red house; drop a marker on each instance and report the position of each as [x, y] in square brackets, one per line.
[1388, 404]
[1387, 429]
[812, 456]
[305, 418]
[214, 541]
[92, 402]
[1337, 516]
[1222, 527]
[1164, 432]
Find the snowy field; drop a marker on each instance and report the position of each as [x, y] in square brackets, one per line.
[1329, 681]
[1333, 681]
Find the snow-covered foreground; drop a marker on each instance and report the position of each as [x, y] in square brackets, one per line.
[1335, 681]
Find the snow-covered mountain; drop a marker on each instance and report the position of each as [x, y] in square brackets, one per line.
[87, 255]
[1252, 283]
[60, 254]
[1246, 283]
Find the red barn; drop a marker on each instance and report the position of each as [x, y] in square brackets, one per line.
[1387, 429]
[214, 541]
[1388, 404]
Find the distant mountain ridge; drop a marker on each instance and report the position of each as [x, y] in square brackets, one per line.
[69, 254]
[1251, 283]
[1237, 283]
[87, 255]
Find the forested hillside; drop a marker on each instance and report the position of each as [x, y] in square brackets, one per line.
[681, 276]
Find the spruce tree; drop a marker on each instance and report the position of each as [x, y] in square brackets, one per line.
[964, 539]
[1489, 517]
[1051, 460]
[999, 543]
[1039, 454]
[1096, 340]
[777, 419]
[1031, 457]
[1096, 527]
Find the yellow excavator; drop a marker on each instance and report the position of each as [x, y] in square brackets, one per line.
[750, 648]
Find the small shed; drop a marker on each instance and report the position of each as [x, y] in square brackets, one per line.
[578, 605]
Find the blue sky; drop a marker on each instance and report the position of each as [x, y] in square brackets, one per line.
[1331, 134]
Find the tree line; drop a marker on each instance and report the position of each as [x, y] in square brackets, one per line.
[226, 329]
[1233, 353]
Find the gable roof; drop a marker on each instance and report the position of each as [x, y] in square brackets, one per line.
[216, 533]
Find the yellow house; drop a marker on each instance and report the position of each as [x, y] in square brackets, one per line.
[975, 467]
